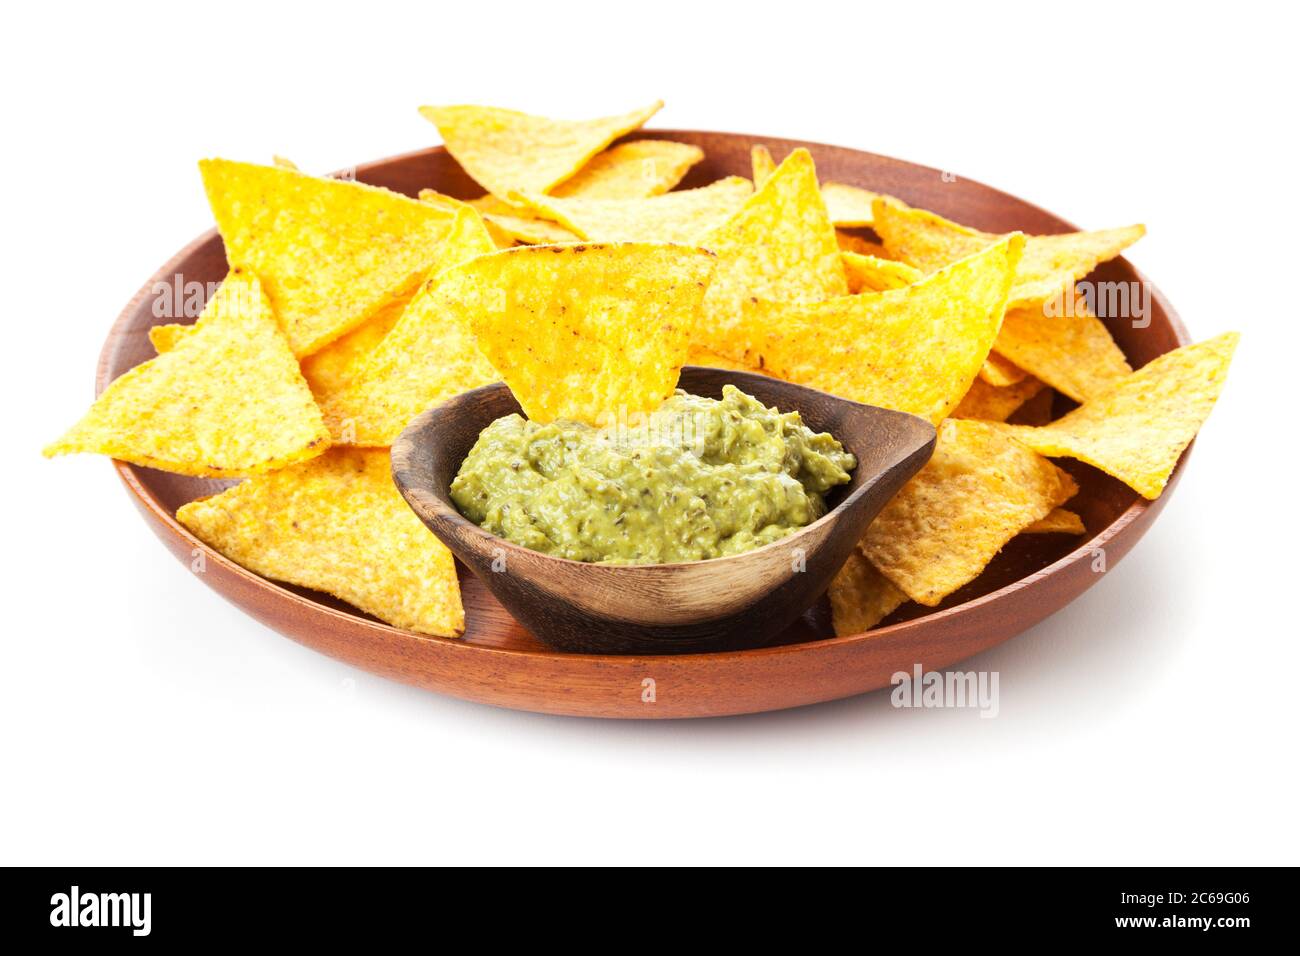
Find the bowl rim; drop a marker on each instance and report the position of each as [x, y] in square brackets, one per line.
[128, 473]
[452, 514]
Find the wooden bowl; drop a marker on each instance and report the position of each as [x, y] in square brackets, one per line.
[743, 600]
[499, 661]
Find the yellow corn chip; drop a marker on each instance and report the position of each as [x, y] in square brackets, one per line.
[1050, 264]
[330, 369]
[1058, 521]
[337, 524]
[163, 338]
[979, 490]
[872, 274]
[522, 223]
[683, 217]
[762, 163]
[780, 247]
[333, 366]
[850, 242]
[635, 170]
[1075, 354]
[428, 357]
[226, 400]
[1001, 372]
[506, 151]
[915, 349]
[330, 254]
[582, 332]
[995, 403]
[1137, 428]
[701, 355]
[848, 205]
[861, 597]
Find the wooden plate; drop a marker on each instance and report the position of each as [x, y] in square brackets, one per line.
[498, 662]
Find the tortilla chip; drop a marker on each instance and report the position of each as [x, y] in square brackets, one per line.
[850, 242]
[1050, 264]
[861, 597]
[507, 224]
[1001, 372]
[1136, 429]
[284, 163]
[330, 369]
[872, 274]
[505, 151]
[995, 403]
[1058, 521]
[761, 163]
[330, 254]
[582, 332]
[849, 205]
[915, 349]
[1075, 354]
[226, 400]
[428, 357]
[685, 216]
[333, 366]
[635, 170]
[337, 524]
[163, 338]
[780, 247]
[846, 205]
[979, 490]
[701, 355]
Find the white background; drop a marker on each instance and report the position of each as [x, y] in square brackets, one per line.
[142, 719]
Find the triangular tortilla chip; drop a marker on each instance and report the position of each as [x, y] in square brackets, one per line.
[707, 358]
[999, 371]
[333, 366]
[1136, 429]
[163, 338]
[330, 369]
[226, 400]
[915, 349]
[849, 205]
[684, 217]
[846, 205]
[520, 222]
[979, 490]
[506, 151]
[1050, 264]
[761, 164]
[1058, 521]
[428, 357]
[330, 254]
[780, 247]
[635, 170]
[872, 274]
[1073, 353]
[996, 403]
[337, 524]
[583, 332]
[861, 597]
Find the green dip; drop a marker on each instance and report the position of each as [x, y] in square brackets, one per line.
[698, 478]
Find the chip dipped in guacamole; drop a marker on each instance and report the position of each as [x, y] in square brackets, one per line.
[697, 478]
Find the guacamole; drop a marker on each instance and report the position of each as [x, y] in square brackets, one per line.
[698, 478]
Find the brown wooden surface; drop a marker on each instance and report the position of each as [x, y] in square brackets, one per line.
[499, 662]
